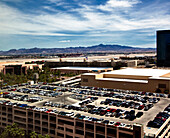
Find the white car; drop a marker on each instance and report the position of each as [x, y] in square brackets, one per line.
[100, 120]
[108, 114]
[113, 114]
[166, 112]
[122, 112]
[86, 118]
[43, 109]
[32, 92]
[37, 108]
[129, 126]
[69, 113]
[122, 125]
[54, 111]
[111, 123]
[25, 99]
[165, 95]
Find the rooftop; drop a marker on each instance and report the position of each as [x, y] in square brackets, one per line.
[147, 115]
[140, 72]
[82, 68]
[124, 80]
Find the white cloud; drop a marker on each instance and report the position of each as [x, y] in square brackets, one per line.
[58, 2]
[64, 41]
[94, 22]
[122, 3]
[13, 21]
[111, 4]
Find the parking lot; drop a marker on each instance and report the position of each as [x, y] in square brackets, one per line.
[42, 95]
[102, 104]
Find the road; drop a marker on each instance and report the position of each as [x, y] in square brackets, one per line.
[60, 99]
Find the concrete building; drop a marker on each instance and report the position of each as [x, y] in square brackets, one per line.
[19, 69]
[149, 80]
[58, 126]
[79, 64]
[82, 69]
[14, 69]
[133, 63]
[163, 48]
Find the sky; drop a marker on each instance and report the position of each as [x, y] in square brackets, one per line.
[72, 23]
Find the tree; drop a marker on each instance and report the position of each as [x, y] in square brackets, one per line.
[11, 79]
[30, 74]
[33, 134]
[58, 73]
[13, 131]
[47, 136]
[43, 78]
[1, 75]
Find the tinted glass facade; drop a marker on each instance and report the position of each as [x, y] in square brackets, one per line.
[163, 48]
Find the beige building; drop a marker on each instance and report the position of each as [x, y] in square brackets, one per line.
[18, 69]
[57, 126]
[149, 80]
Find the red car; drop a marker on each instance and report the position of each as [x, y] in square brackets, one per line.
[44, 83]
[117, 124]
[6, 93]
[109, 109]
[114, 110]
[13, 89]
[141, 107]
[49, 111]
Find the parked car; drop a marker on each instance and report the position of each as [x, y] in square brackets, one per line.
[141, 107]
[139, 114]
[117, 124]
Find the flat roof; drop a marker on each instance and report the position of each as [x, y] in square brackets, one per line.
[91, 74]
[124, 80]
[13, 64]
[140, 72]
[160, 78]
[82, 68]
[71, 81]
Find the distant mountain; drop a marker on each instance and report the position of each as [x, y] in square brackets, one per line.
[97, 48]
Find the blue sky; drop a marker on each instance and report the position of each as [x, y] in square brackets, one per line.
[66, 23]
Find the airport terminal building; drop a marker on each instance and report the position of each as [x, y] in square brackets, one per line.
[149, 80]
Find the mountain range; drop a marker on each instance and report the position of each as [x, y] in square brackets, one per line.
[89, 49]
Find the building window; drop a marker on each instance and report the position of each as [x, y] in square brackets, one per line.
[85, 80]
[162, 85]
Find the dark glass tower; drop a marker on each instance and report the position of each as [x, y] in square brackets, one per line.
[163, 48]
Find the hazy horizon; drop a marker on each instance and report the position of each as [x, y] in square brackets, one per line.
[71, 47]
